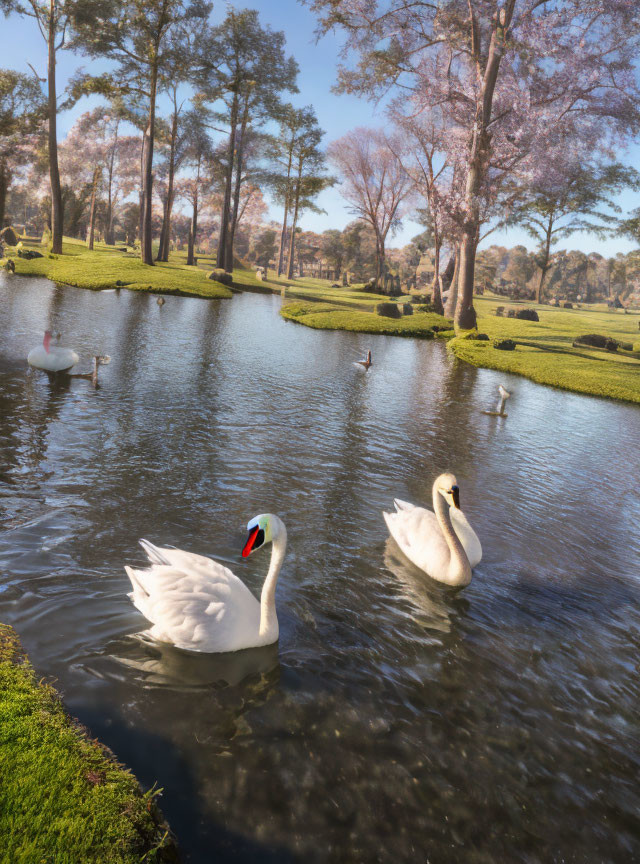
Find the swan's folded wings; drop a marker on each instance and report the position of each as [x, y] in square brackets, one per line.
[205, 603]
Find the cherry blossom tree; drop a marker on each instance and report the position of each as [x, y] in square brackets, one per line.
[22, 111]
[374, 182]
[511, 75]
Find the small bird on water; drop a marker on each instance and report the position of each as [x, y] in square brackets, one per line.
[160, 301]
[504, 395]
[365, 363]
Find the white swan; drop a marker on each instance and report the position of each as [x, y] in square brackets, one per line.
[366, 363]
[52, 358]
[442, 543]
[199, 605]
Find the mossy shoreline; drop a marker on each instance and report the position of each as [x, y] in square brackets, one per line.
[544, 350]
[64, 797]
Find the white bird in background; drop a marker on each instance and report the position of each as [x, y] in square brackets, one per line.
[52, 358]
[504, 395]
[366, 363]
[440, 542]
[198, 604]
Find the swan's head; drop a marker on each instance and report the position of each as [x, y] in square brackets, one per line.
[261, 531]
[447, 486]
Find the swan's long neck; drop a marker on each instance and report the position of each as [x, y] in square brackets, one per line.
[459, 571]
[268, 616]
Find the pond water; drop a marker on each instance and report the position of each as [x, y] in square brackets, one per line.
[396, 720]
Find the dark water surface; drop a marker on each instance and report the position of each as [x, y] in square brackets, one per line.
[396, 721]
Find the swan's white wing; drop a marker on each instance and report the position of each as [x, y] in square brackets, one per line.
[418, 534]
[202, 606]
[466, 535]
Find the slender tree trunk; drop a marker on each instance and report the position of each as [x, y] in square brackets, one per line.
[226, 206]
[146, 248]
[193, 229]
[436, 293]
[238, 184]
[465, 315]
[108, 237]
[452, 299]
[545, 262]
[54, 171]
[294, 223]
[165, 233]
[92, 211]
[283, 233]
[4, 188]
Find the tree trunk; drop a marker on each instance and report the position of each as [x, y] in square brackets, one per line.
[193, 230]
[436, 293]
[108, 234]
[165, 233]
[92, 211]
[54, 171]
[226, 206]
[294, 223]
[146, 247]
[4, 188]
[238, 184]
[479, 151]
[452, 299]
[283, 233]
[545, 262]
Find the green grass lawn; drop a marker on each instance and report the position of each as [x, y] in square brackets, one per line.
[63, 797]
[327, 316]
[107, 266]
[544, 350]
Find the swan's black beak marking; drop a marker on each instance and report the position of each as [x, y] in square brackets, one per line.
[254, 541]
[455, 492]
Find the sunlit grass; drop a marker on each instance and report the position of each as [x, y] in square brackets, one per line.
[326, 316]
[63, 797]
[544, 350]
[109, 267]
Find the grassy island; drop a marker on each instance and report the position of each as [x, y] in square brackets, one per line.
[63, 796]
[112, 266]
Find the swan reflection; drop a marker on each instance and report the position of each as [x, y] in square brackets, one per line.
[162, 665]
[432, 603]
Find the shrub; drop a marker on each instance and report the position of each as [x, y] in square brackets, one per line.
[596, 340]
[407, 309]
[220, 275]
[482, 337]
[388, 310]
[626, 346]
[9, 236]
[419, 298]
[499, 311]
[527, 315]
[504, 344]
[426, 307]
[567, 305]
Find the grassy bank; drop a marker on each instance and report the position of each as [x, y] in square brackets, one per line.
[544, 349]
[63, 796]
[109, 267]
[327, 316]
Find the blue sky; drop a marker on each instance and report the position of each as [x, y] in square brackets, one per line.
[20, 42]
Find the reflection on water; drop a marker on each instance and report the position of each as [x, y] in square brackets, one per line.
[396, 720]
